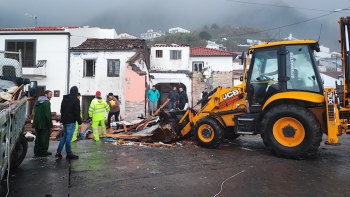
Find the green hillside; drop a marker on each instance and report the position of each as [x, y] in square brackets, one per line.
[227, 35]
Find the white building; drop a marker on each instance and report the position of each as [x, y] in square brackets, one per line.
[170, 57]
[211, 59]
[170, 67]
[150, 34]
[178, 30]
[119, 66]
[213, 45]
[45, 54]
[44, 58]
[329, 79]
[324, 53]
[251, 42]
[79, 34]
[126, 36]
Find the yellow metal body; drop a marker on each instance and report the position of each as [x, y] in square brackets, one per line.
[333, 122]
[225, 103]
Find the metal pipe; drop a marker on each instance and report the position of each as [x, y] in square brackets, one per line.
[68, 67]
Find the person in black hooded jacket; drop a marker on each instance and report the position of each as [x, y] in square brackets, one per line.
[70, 114]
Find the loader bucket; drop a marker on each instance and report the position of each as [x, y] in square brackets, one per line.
[169, 127]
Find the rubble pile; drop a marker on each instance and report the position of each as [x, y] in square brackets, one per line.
[56, 131]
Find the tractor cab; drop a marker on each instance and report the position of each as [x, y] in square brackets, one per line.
[281, 67]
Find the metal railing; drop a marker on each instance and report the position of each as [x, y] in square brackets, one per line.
[10, 63]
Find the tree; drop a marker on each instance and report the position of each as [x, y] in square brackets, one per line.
[205, 27]
[205, 35]
[214, 26]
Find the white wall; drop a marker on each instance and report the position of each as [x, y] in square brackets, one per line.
[54, 49]
[329, 82]
[79, 35]
[215, 63]
[173, 78]
[89, 85]
[165, 63]
[126, 36]
[178, 30]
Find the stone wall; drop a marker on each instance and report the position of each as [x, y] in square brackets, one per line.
[134, 110]
[223, 79]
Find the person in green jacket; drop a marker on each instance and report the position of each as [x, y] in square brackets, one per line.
[75, 134]
[42, 123]
[97, 110]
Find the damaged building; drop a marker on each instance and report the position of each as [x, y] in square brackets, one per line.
[119, 66]
[193, 69]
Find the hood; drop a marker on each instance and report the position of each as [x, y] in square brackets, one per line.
[68, 98]
[73, 91]
[41, 99]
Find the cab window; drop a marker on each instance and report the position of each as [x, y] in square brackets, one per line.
[300, 69]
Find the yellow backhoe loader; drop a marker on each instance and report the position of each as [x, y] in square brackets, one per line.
[281, 97]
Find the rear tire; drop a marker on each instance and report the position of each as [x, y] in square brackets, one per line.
[291, 131]
[208, 133]
[20, 152]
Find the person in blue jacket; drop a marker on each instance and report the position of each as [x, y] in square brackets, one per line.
[152, 96]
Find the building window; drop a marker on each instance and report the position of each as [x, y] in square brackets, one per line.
[175, 54]
[113, 68]
[159, 53]
[27, 48]
[89, 68]
[198, 66]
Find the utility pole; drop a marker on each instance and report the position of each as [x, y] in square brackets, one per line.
[33, 17]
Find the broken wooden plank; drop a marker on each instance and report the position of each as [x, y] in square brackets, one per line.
[144, 122]
[125, 129]
[127, 136]
[15, 94]
[145, 144]
[141, 127]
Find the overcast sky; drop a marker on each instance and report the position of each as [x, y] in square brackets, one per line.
[136, 16]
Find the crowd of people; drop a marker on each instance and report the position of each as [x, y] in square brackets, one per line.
[71, 116]
[71, 119]
[178, 99]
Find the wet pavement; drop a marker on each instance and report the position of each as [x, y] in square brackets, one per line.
[105, 169]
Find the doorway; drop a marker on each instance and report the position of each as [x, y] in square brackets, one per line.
[165, 88]
[40, 92]
[86, 100]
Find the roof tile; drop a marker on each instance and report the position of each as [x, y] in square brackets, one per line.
[108, 44]
[203, 51]
[39, 28]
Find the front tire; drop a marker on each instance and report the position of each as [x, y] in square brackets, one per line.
[291, 131]
[208, 133]
[20, 152]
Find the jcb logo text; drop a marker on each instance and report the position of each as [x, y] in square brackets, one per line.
[230, 94]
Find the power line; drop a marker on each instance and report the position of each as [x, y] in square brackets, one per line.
[281, 6]
[282, 26]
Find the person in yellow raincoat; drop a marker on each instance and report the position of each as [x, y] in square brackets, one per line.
[75, 134]
[97, 110]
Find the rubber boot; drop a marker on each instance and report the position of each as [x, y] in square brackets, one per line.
[103, 128]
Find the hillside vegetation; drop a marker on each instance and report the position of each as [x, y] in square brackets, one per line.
[227, 35]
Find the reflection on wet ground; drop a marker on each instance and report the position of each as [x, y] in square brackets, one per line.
[105, 169]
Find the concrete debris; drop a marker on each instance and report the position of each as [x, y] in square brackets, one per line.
[132, 143]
